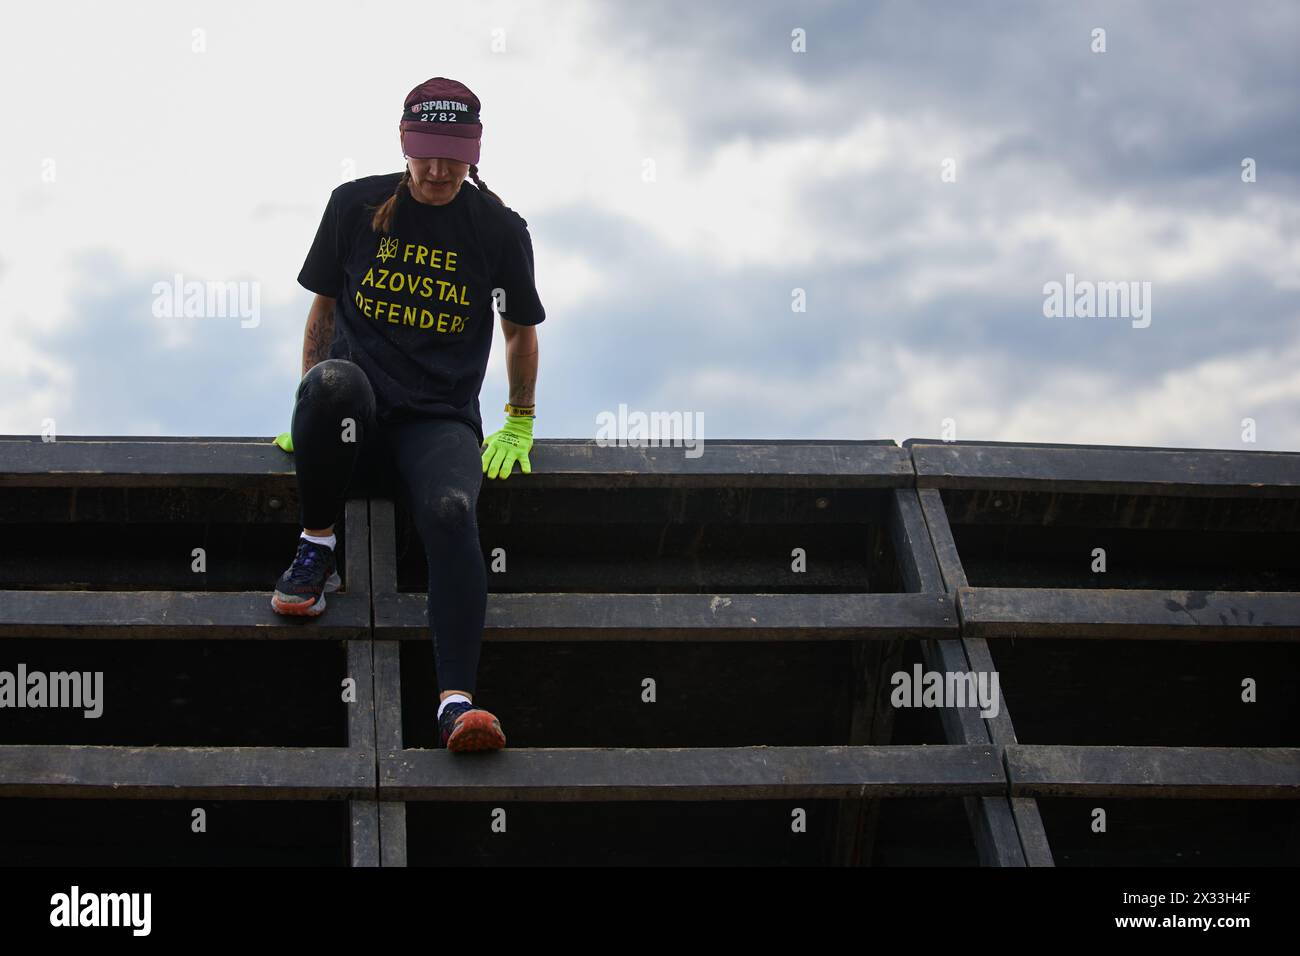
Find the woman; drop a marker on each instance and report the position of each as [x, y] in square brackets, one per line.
[405, 268]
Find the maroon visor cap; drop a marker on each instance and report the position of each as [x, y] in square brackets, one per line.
[440, 119]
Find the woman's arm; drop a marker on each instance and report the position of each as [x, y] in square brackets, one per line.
[521, 361]
[319, 334]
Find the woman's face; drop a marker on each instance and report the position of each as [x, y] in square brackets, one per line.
[436, 181]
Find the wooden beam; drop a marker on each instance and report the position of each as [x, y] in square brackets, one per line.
[176, 614]
[363, 832]
[388, 729]
[1102, 468]
[356, 547]
[732, 462]
[361, 712]
[392, 829]
[708, 773]
[945, 548]
[1130, 614]
[212, 773]
[1002, 733]
[383, 546]
[1193, 773]
[388, 695]
[993, 827]
[684, 617]
[918, 565]
[993, 820]
[26, 461]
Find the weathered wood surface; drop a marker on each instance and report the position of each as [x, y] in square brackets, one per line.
[1133, 615]
[176, 615]
[727, 773]
[90, 461]
[215, 773]
[1140, 772]
[1082, 468]
[685, 617]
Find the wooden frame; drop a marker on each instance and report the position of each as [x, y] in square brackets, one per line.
[1007, 830]
[251, 773]
[998, 779]
[1126, 614]
[859, 775]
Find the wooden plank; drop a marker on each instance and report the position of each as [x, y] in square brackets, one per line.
[735, 462]
[383, 546]
[991, 820]
[213, 773]
[392, 829]
[1109, 469]
[945, 548]
[1192, 773]
[1002, 733]
[176, 615]
[1033, 835]
[388, 729]
[361, 712]
[27, 461]
[356, 550]
[1008, 832]
[918, 565]
[30, 462]
[388, 696]
[708, 773]
[685, 617]
[992, 824]
[363, 832]
[1130, 614]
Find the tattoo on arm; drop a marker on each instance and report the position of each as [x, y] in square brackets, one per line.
[317, 339]
[521, 368]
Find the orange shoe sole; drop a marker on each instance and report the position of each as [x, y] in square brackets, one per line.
[306, 608]
[476, 730]
[299, 608]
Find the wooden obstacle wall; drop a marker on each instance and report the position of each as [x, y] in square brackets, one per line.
[624, 565]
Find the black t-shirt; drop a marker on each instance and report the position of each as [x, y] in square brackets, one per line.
[414, 305]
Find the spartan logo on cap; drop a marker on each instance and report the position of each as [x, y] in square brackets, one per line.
[440, 111]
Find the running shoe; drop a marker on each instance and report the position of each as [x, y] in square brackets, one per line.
[301, 589]
[464, 727]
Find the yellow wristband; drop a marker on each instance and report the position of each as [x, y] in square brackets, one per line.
[523, 410]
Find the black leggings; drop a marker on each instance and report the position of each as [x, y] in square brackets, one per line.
[439, 462]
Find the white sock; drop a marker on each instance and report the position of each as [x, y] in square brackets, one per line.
[328, 542]
[449, 699]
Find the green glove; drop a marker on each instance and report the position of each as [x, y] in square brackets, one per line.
[510, 444]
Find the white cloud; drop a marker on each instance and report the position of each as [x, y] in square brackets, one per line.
[887, 390]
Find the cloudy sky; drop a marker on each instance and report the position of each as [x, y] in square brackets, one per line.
[147, 140]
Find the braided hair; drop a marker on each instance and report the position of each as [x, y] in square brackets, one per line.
[382, 220]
